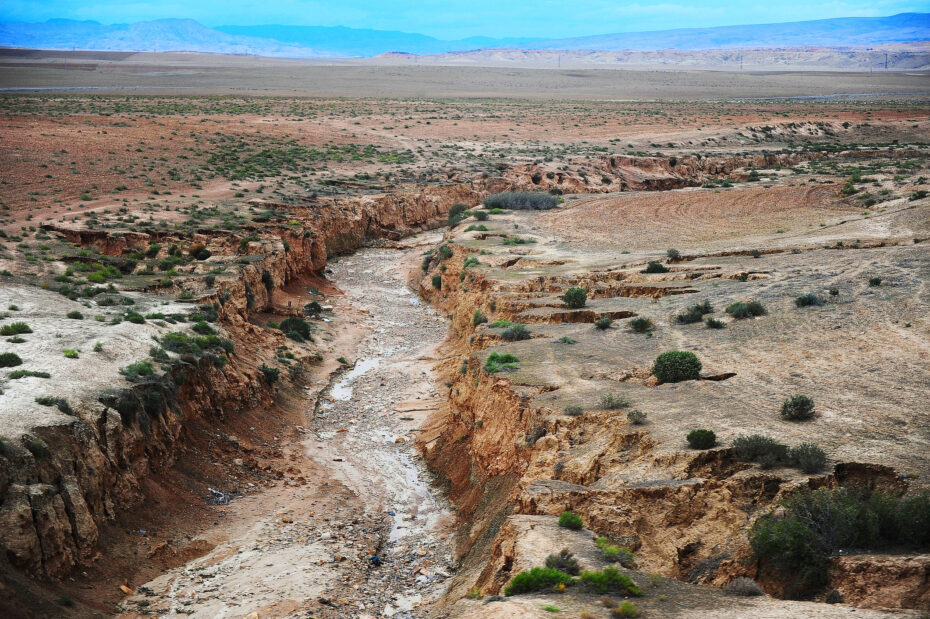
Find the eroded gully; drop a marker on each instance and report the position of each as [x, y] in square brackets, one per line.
[358, 527]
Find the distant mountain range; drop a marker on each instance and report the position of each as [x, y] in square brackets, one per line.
[317, 41]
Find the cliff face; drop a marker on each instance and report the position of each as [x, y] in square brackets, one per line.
[51, 506]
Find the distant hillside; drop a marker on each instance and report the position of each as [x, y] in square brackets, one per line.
[313, 41]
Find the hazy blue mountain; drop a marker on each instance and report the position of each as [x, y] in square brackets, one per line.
[315, 41]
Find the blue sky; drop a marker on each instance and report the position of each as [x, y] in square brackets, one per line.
[451, 19]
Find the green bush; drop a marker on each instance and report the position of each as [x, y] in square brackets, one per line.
[636, 417]
[75, 315]
[520, 200]
[37, 447]
[641, 324]
[203, 328]
[137, 371]
[797, 408]
[565, 561]
[536, 579]
[497, 362]
[17, 374]
[746, 309]
[875, 281]
[481, 215]
[610, 580]
[655, 267]
[808, 300]
[713, 323]
[9, 359]
[437, 281]
[271, 374]
[296, 328]
[575, 297]
[614, 554]
[455, 214]
[701, 439]
[70, 353]
[15, 328]
[808, 457]
[759, 448]
[571, 520]
[613, 402]
[516, 332]
[574, 411]
[675, 366]
[478, 318]
[695, 313]
[603, 323]
[134, 317]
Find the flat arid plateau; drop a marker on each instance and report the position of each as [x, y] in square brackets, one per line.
[278, 340]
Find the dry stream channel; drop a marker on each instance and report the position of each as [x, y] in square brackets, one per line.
[370, 537]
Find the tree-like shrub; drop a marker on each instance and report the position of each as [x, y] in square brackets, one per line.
[759, 448]
[655, 267]
[641, 324]
[676, 365]
[575, 297]
[636, 417]
[516, 332]
[701, 439]
[808, 457]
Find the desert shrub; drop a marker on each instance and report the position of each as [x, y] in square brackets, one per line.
[755, 253]
[16, 340]
[695, 313]
[75, 315]
[565, 340]
[470, 261]
[746, 309]
[137, 371]
[641, 324]
[612, 402]
[271, 374]
[551, 608]
[9, 360]
[655, 267]
[574, 411]
[701, 439]
[445, 252]
[15, 328]
[625, 609]
[203, 328]
[673, 254]
[182, 343]
[565, 561]
[615, 554]
[478, 318]
[267, 280]
[70, 353]
[497, 362]
[516, 332]
[535, 434]
[437, 281]
[17, 374]
[37, 447]
[134, 317]
[713, 323]
[675, 366]
[520, 200]
[610, 579]
[575, 297]
[536, 579]
[199, 252]
[636, 417]
[455, 214]
[481, 215]
[295, 328]
[797, 408]
[808, 300]
[808, 457]
[60, 403]
[743, 586]
[570, 520]
[758, 448]
[834, 597]
[875, 281]
[603, 323]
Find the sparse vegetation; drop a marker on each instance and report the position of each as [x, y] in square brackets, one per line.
[603, 323]
[574, 411]
[536, 579]
[610, 401]
[797, 408]
[636, 417]
[564, 561]
[135, 372]
[614, 554]
[610, 580]
[655, 267]
[15, 328]
[742, 586]
[516, 332]
[520, 200]
[9, 360]
[501, 362]
[713, 323]
[641, 324]
[808, 300]
[271, 374]
[625, 609]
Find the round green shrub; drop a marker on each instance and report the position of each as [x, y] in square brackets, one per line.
[575, 297]
[676, 365]
[641, 324]
[9, 359]
[655, 267]
[701, 439]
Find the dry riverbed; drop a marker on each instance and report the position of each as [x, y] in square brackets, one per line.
[357, 527]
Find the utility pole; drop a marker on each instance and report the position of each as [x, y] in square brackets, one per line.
[886, 61]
